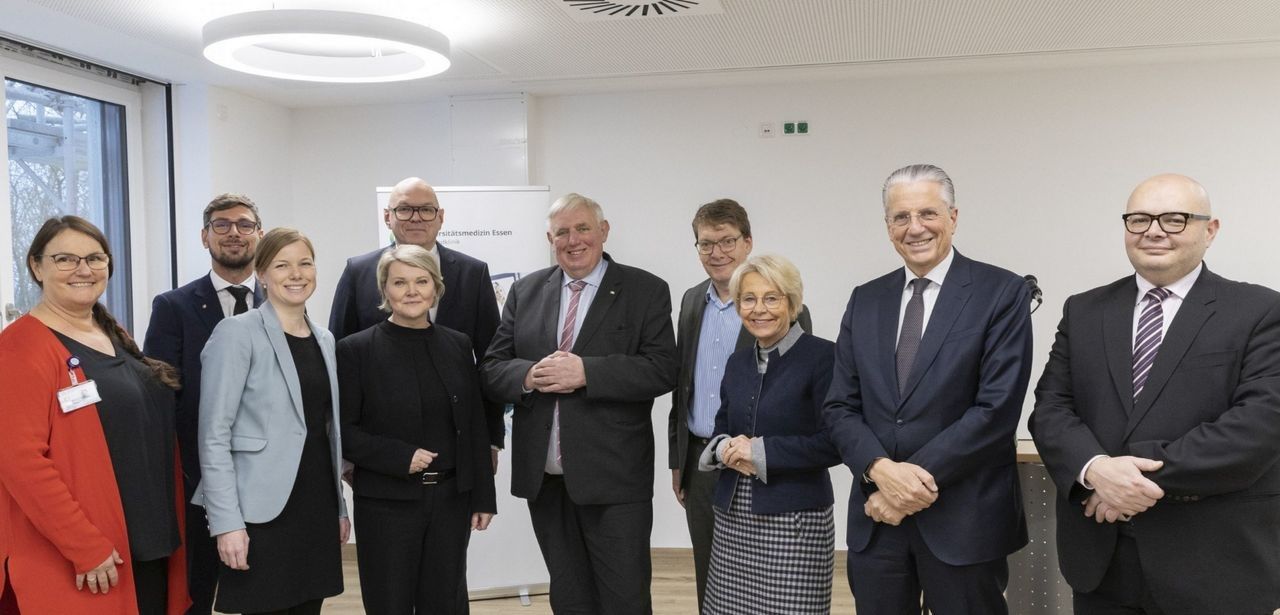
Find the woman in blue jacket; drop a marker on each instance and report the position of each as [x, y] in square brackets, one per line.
[773, 548]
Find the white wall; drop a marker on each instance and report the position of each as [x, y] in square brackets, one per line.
[227, 142]
[1043, 160]
[339, 155]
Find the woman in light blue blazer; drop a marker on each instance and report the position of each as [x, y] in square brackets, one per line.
[270, 450]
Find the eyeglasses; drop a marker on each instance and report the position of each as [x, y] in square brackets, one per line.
[222, 226]
[903, 218]
[771, 302]
[1172, 222]
[426, 213]
[726, 244]
[70, 262]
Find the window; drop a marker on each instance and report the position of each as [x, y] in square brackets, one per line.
[67, 156]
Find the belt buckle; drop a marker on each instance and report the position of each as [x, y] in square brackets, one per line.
[430, 478]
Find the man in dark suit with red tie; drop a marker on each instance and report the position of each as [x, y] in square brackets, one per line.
[181, 322]
[583, 349]
[1158, 418]
[932, 364]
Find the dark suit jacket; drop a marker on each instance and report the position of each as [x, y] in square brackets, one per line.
[690, 328]
[380, 433]
[181, 321]
[1210, 410]
[468, 305]
[783, 407]
[959, 417]
[606, 427]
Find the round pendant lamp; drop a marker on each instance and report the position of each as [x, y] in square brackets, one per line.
[324, 45]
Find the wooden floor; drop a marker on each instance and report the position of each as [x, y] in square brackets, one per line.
[673, 589]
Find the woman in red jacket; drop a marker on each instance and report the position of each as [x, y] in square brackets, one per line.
[89, 483]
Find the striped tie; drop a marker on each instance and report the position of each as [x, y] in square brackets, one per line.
[1150, 333]
[566, 344]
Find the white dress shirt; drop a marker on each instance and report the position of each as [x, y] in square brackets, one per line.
[225, 298]
[936, 277]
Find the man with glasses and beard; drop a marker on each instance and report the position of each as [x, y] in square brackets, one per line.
[181, 322]
[414, 216]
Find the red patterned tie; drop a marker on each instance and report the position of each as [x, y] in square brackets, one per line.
[1147, 341]
[566, 344]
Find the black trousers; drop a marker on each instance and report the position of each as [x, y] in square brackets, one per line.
[311, 607]
[412, 554]
[598, 555]
[889, 576]
[1123, 590]
[699, 492]
[151, 583]
[202, 561]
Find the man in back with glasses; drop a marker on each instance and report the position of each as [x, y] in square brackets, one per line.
[181, 322]
[414, 216]
[1157, 417]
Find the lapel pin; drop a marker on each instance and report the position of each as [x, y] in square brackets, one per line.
[204, 305]
[612, 292]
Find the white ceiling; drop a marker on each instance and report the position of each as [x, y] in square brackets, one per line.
[544, 46]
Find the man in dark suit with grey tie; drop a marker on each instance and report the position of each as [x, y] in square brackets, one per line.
[1158, 418]
[181, 322]
[583, 349]
[932, 364]
[414, 216]
[710, 330]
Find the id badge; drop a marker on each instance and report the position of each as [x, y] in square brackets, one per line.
[78, 396]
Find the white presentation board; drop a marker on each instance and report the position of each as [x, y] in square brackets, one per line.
[506, 227]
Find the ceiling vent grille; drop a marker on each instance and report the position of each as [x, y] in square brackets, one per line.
[606, 10]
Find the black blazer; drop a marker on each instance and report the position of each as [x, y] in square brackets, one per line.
[690, 328]
[959, 417]
[1210, 410]
[784, 407]
[468, 305]
[182, 320]
[379, 430]
[606, 428]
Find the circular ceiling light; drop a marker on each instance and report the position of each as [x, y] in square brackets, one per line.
[322, 45]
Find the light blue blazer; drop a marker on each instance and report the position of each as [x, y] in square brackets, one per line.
[251, 424]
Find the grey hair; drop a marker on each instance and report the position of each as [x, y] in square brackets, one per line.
[920, 173]
[778, 272]
[413, 256]
[572, 201]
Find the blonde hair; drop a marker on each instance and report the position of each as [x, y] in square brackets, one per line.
[413, 256]
[779, 273]
[273, 242]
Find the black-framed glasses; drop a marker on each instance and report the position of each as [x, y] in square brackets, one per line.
[70, 262]
[770, 302]
[426, 213]
[1171, 222]
[726, 244]
[244, 227]
[903, 218]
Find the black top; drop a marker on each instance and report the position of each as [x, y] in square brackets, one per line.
[403, 389]
[313, 377]
[438, 432]
[137, 415]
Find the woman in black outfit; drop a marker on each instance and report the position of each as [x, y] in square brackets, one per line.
[414, 426]
[270, 449]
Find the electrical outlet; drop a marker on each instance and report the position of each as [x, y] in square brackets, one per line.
[768, 130]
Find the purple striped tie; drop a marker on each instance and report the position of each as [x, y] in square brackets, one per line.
[1147, 341]
[566, 344]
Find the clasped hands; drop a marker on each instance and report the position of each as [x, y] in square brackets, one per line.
[558, 372]
[904, 489]
[736, 455]
[1120, 490]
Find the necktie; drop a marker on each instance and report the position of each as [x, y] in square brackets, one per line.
[909, 338]
[240, 293]
[566, 344]
[1147, 341]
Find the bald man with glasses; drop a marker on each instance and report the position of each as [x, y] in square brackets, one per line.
[1158, 418]
[414, 216]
